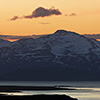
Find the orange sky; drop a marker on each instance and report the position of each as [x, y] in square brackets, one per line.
[87, 19]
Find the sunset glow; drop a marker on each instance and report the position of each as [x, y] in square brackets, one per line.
[98, 39]
[11, 40]
[20, 17]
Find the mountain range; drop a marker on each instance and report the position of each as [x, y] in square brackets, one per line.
[61, 56]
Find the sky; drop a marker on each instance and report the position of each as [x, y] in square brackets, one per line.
[27, 17]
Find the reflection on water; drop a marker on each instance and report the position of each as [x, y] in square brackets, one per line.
[84, 90]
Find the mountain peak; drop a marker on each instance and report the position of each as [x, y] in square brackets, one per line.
[60, 32]
[63, 32]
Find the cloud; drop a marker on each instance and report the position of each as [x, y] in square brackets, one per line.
[15, 37]
[39, 12]
[15, 18]
[70, 15]
[44, 23]
[66, 14]
[73, 14]
[42, 12]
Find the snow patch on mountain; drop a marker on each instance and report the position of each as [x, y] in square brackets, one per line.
[59, 45]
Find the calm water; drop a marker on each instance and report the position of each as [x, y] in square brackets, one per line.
[85, 90]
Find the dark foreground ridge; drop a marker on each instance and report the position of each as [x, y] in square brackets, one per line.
[37, 97]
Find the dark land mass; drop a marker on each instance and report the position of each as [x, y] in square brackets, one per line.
[37, 97]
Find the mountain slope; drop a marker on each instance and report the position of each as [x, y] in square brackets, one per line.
[63, 55]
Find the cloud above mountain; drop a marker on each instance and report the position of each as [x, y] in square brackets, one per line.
[14, 18]
[40, 12]
[43, 23]
[72, 14]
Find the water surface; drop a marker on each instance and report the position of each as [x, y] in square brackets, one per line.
[85, 90]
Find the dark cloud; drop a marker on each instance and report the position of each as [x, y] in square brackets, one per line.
[73, 14]
[14, 18]
[14, 37]
[42, 12]
[44, 23]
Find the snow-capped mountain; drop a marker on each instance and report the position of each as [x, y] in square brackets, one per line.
[63, 55]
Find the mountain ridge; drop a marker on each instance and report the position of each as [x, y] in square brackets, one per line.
[51, 57]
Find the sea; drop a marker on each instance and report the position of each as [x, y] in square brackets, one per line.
[84, 90]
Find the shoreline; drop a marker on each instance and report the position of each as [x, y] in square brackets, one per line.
[34, 88]
[19, 89]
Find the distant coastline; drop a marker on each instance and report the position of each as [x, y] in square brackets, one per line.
[33, 88]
